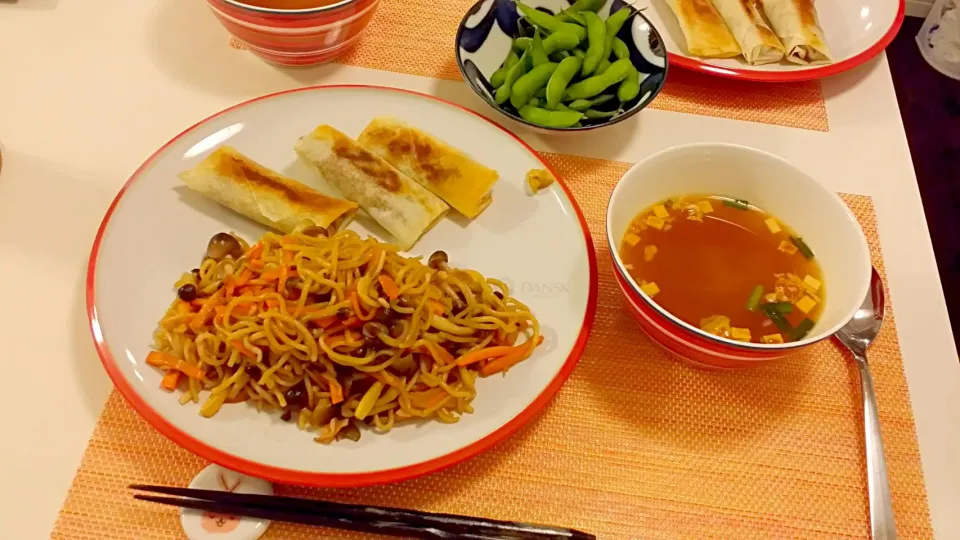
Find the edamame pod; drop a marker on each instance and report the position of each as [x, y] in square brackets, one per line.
[535, 102]
[559, 56]
[587, 5]
[584, 104]
[613, 23]
[571, 17]
[528, 84]
[537, 54]
[630, 86]
[619, 49]
[500, 76]
[604, 65]
[579, 53]
[541, 93]
[566, 71]
[591, 113]
[549, 23]
[547, 118]
[514, 73]
[592, 86]
[560, 41]
[521, 44]
[596, 39]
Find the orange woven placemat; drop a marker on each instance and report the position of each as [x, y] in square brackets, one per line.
[416, 37]
[636, 444]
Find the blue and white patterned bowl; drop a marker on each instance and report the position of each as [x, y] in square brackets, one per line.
[487, 31]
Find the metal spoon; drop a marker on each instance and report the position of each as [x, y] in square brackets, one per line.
[857, 335]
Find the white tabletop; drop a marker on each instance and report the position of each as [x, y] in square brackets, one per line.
[87, 92]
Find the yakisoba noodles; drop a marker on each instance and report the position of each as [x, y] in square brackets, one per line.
[337, 330]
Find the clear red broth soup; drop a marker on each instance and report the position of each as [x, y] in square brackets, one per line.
[726, 267]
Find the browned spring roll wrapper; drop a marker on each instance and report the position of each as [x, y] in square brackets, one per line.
[248, 188]
[447, 172]
[403, 207]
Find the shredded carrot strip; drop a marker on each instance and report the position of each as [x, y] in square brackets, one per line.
[324, 322]
[424, 399]
[256, 264]
[285, 271]
[230, 285]
[256, 251]
[349, 323]
[389, 286]
[386, 378]
[238, 345]
[170, 381]
[354, 300]
[473, 357]
[436, 307]
[507, 361]
[200, 319]
[336, 391]
[162, 359]
[242, 278]
[271, 275]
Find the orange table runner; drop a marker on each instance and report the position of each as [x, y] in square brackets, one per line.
[416, 37]
[636, 444]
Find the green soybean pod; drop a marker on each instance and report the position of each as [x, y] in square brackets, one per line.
[535, 102]
[537, 53]
[541, 93]
[592, 86]
[560, 41]
[591, 113]
[548, 118]
[529, 83]
[630, 86]
[604, 65]
[579, 53]
[566, 71]
[619, 49]
[549, 23]
[571, 17]
[584, 104]
[521, 44]
[587, 5]
[514, 73]
[500, 76]
[596, 37]
[559, 56]
[613, 23]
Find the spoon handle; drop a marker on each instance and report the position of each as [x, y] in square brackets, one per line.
[882, 523]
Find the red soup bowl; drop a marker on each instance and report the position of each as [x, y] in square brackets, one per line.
[296, 37]
[770, 183]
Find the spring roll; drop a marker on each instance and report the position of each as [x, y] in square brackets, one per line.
[757, 41]
[403, 207]
[703, 29]
[248, 188]
[798, 27]
[447, 172]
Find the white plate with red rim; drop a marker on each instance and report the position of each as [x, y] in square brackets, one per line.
[156, 229]
[855, 32]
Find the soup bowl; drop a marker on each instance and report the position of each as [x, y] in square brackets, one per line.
[296, 37]
[771, 184]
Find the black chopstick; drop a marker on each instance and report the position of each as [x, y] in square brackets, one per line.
[372, 519]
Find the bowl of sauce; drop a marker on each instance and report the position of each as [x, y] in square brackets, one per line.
[729, 256]
[295, 32]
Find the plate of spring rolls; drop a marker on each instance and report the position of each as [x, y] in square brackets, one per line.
[341, 286]
[774, 40]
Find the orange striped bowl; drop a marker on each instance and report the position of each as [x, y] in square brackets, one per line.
[770, 183]
[296, 37]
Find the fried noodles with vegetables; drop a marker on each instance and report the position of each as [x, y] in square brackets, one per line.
[335, 331]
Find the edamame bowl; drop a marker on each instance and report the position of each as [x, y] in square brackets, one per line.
[561, 65]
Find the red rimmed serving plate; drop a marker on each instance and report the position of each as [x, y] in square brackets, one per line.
[855, 31]
[156, 228]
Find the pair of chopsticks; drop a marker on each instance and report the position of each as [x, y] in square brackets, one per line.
[371, 519]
